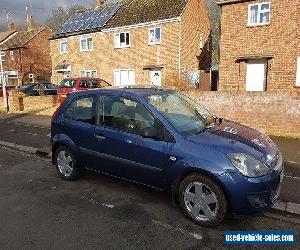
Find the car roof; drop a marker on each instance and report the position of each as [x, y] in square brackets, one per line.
[140, 91]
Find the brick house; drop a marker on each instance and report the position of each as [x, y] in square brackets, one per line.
[135, 42]
[260, 45]
[25, 54]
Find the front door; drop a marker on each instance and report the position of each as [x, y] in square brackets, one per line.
[256, 75]
[155, 77]
[120, 149]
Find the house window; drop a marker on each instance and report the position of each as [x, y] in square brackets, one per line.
[2, 55]
[298, 72]
[63, 46]
[86, 44]
[259, 14]
[31, 78]
[11, 53]
[88, 73]
[124, 77]
[154, 36]
[122, 40]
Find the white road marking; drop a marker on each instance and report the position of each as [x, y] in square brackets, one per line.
[108, 205]
[49, 135]
[33, 134]
[90, 199]
[182, 231]
[12, 130]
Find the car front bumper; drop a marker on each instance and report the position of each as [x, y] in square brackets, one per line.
[251, 195]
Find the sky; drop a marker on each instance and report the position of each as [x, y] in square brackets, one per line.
[39, 9]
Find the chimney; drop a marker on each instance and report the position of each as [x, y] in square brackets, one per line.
[11, 26]
[100, 4]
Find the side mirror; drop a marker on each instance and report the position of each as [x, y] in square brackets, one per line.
[150, 132]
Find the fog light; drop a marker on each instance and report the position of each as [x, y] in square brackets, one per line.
[258, 201]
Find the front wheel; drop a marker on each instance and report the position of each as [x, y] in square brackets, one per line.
[202, 200]
[66, 164]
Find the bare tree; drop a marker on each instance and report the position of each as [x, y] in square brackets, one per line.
[60, 15]
[214, 16]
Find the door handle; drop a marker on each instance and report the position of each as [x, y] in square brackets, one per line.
[100, 137]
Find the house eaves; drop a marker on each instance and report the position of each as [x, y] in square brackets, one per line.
[226, 2]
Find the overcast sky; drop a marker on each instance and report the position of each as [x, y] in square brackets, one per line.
[40, 9]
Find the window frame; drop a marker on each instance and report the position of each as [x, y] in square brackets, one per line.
[155, 41]
[60, 46]
[94, 114]
[90, 71]
[31, 78]
[118, 44]
[2, 56]
[249, 23]
[87, 46]
[116, 70]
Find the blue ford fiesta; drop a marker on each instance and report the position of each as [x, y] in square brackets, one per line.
[165, 140]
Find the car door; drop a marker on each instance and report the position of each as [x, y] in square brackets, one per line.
[78, 125]
[121, 150]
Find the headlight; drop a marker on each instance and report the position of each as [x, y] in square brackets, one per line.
[247, 165]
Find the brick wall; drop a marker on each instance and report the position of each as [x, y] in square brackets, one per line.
[271, 112]
[28, 103]
[279, 39]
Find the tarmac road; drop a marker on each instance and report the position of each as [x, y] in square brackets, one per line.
[41, 211]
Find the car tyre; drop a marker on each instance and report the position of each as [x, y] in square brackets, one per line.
[66, 164]
[202, 200]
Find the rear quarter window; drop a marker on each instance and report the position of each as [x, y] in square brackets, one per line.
[81, 109]
[89, 84]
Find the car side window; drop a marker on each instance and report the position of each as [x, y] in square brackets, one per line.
[124, 114]
[81, 109]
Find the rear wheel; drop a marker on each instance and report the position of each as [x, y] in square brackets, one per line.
[66, 164]
[202, 200]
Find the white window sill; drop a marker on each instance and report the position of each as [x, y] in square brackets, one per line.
[86, 50]
[63, 52]
[150, 44]
[257, 24]
[123, 47]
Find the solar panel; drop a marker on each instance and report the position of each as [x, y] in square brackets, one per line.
[88, 20]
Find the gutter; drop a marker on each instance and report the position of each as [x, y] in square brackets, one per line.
[133, 26]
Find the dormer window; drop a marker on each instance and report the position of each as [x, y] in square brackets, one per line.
[259, 14]
[122, 40]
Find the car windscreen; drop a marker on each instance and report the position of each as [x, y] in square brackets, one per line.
[184, 114]
[67, 83]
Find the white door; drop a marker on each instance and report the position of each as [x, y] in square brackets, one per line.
[256, 75]
[155, 77]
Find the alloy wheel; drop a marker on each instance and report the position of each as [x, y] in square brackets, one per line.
[200, 201]
[65, 163]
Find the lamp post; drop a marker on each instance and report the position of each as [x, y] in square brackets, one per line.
[5, 100]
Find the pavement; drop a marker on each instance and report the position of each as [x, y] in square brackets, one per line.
[41, 211]
[31, 133]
